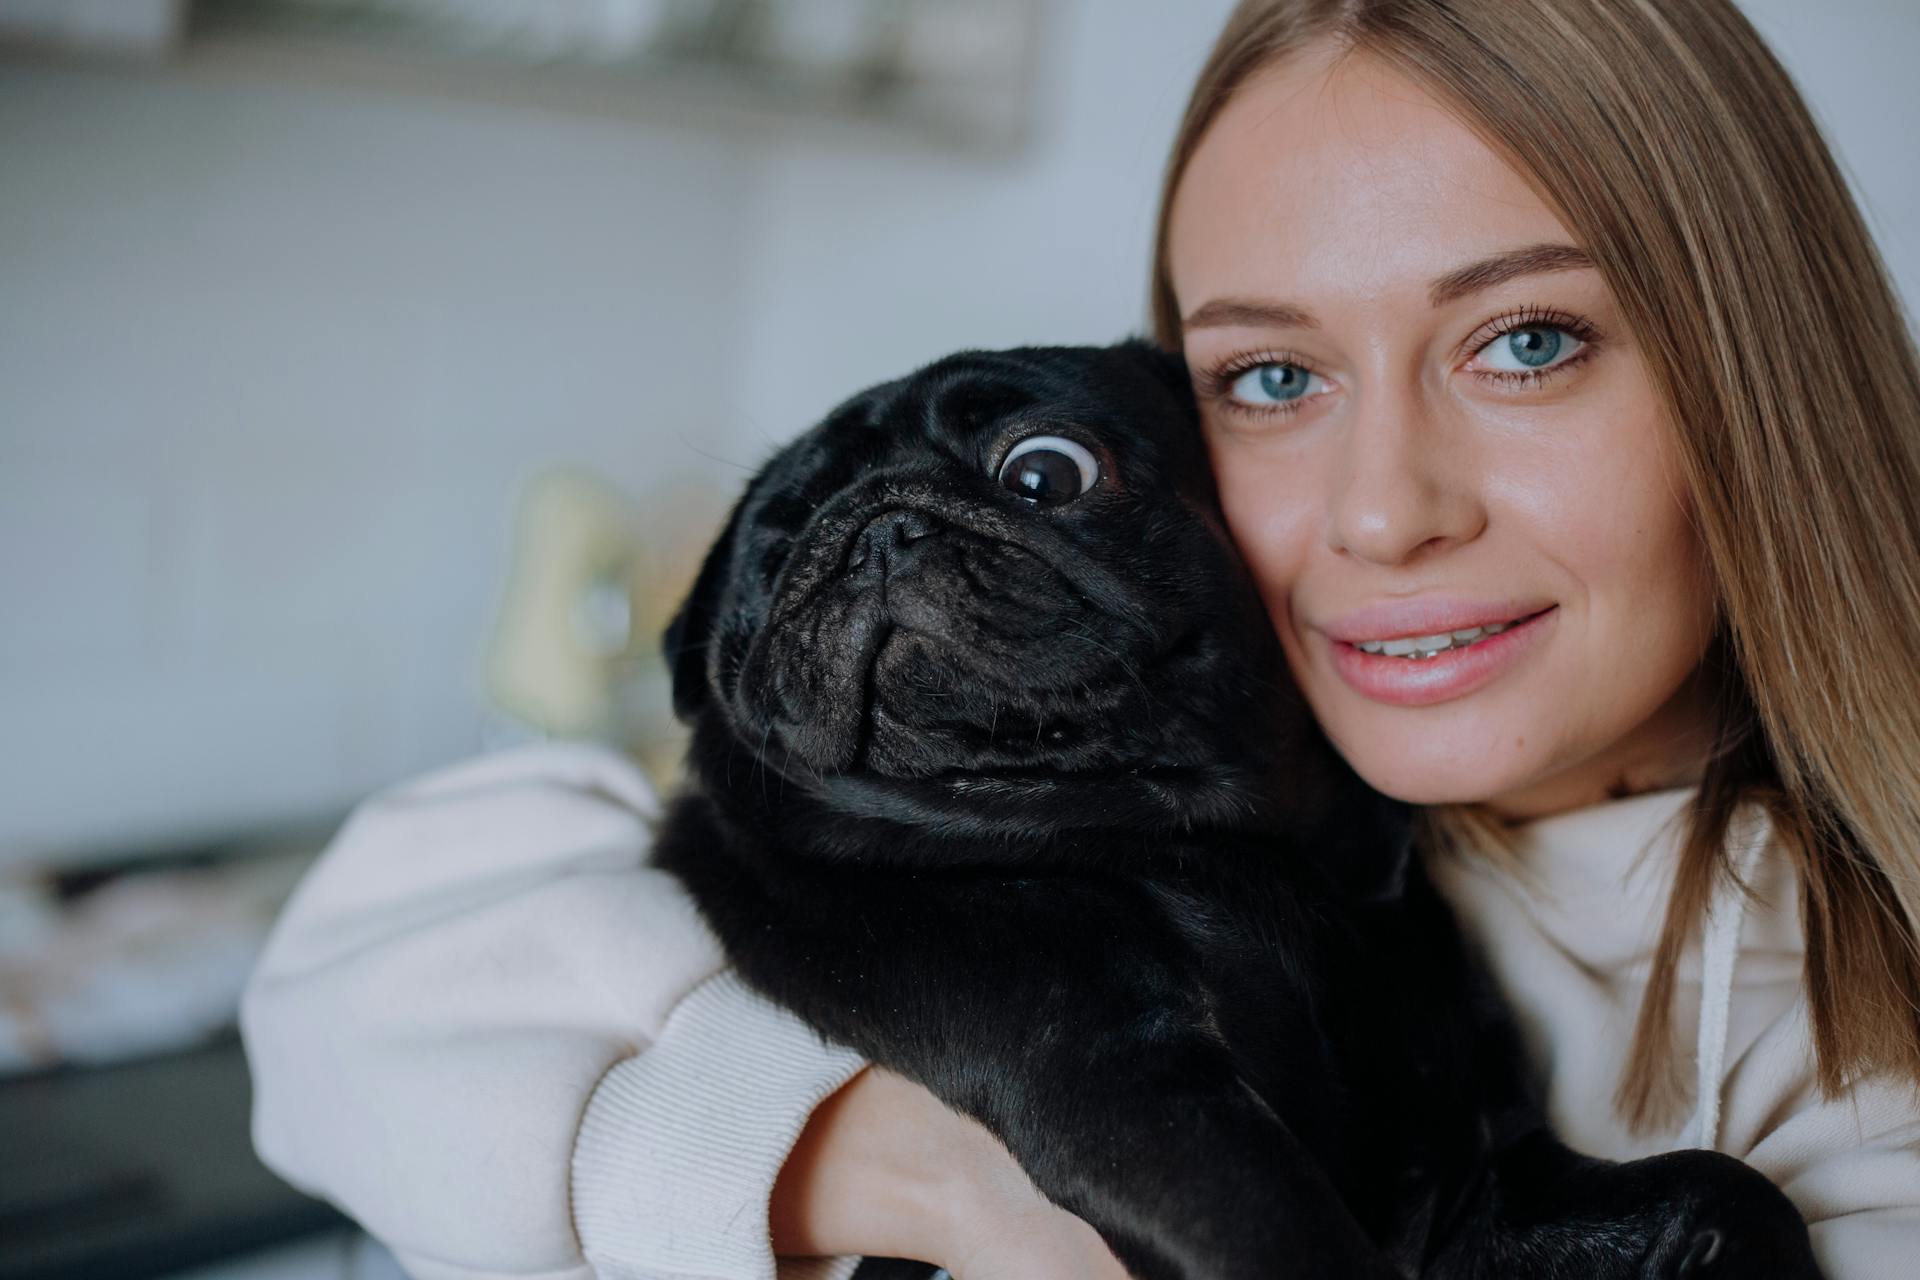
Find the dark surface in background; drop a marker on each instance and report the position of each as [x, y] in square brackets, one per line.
[893, 1269]
[138, 1170]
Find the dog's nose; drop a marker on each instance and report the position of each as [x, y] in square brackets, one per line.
[884, 546]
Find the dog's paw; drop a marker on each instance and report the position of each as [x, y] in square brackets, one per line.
[1719, 1219]
[1684, 1215]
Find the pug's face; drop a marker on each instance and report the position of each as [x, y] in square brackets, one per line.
[1000, 581]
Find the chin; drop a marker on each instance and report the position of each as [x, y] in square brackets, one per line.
[1422, 784]
[1446, 764]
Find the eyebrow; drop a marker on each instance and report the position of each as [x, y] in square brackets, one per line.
[1456, 284]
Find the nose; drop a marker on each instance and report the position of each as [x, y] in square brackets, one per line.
[889, 541]
[1403, 488]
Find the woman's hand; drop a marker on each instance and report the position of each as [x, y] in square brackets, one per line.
[1015, 1233]
[885, 1169]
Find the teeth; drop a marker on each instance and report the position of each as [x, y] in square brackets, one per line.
[1418, 644]
[1428, 646]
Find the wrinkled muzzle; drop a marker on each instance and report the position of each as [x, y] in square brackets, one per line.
[907, 643]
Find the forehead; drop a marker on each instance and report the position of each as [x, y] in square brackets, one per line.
[1330, 178]
[953, 417]
[957, 403]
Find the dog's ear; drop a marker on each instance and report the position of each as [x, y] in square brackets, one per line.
[1379, 850]
[688, 635]
[1363, 842]
[1168, 368]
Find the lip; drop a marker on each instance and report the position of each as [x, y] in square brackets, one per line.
[1454, 673]
[1402, 619]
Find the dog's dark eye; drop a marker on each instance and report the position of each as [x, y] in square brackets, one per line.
[1048, 470]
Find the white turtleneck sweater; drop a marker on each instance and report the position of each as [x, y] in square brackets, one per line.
[487, 1029]
[1571, 939]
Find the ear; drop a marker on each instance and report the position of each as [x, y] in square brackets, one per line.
[1379, 853]
[688, 635]
[1362, 841]
[1168, 368]
[1365, 844]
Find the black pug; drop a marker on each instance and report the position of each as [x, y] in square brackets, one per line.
[996, 777]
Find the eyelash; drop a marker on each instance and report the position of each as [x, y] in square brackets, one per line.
[1217, 382]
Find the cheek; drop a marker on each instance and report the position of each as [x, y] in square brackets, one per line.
[1632, 570]
[1625, 528]
[1268, 505]
[1651, 591]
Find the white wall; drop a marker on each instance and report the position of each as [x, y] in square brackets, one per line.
[273, 360]
[872, 263]
[1856, 64]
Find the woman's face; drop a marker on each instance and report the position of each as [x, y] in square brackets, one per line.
[1427, 415]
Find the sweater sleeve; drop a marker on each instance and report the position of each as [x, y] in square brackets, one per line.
[1850, 1164]
[1859, 1191]
[489, 1031]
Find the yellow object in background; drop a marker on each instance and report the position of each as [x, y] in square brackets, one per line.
[594, 581]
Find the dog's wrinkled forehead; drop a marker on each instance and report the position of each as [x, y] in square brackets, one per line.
[1130, 405]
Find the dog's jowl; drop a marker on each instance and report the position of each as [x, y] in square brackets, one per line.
[997, 778]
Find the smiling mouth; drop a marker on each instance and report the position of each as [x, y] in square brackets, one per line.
[1425, 648]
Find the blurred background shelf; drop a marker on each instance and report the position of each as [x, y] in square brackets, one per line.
[140, 1169]
[945, 73]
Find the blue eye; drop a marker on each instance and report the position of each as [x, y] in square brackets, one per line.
[1270, 384]
[1534, 346]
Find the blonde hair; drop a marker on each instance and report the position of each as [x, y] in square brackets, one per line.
[1678, 152]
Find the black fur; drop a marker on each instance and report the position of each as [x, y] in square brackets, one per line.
[1015, 799]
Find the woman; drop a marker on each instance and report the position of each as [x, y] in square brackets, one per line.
[1551, 315]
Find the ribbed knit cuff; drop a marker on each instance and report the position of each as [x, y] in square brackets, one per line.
[680, 1144]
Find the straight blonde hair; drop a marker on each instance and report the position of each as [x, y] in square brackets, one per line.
[1679, 154]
